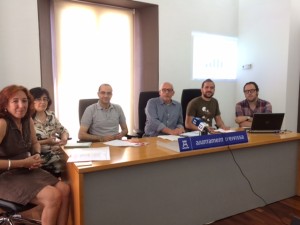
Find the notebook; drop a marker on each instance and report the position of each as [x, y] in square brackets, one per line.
[266, 122]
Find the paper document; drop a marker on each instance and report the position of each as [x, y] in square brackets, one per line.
[125, 143]
[169, 137]
[175, 137]
[81, 164]
[78, 145]
[224, 131]
[88, 154]
[191, 134]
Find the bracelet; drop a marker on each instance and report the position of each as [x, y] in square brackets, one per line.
[9, 164]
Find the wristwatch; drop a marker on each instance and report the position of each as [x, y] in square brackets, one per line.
[248, 118]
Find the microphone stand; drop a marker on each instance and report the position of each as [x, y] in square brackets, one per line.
[204, 132]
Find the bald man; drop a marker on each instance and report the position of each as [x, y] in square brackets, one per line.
[163, 114]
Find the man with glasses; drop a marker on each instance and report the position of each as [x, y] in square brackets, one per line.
[205, 107]
[163, 114]
[101, 121]
[245, 109]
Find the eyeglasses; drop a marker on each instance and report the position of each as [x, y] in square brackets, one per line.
[251, 91]
[41, 99]
[165, 90]
[105, 93]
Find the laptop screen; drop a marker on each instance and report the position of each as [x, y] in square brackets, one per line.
[267, 121]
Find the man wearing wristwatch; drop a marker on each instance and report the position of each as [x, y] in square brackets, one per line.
[245, 109]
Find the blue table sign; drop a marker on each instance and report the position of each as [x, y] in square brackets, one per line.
[213, 140]
[200, 142]
[235, 137]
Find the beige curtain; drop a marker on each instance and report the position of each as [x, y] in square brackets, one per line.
[146, 46]
[93, 45]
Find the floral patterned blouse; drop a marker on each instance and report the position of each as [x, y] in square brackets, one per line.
[52, 127]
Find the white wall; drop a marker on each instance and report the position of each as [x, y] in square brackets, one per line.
[19, 43]
[269, 40]
[268, 31]
[293, 71]
[177, 20]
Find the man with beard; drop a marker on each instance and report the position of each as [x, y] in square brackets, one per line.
[245, 109]
[205, 107]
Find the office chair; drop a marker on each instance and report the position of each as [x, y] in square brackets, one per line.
[186, 96]
[10, 213]
[83, 104]
[143, 99]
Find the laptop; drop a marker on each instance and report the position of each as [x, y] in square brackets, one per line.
[266, 122]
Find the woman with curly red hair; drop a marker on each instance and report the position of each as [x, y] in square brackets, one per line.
[21, 178]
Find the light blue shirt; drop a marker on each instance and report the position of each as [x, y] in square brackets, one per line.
[102, 121]
[160, 115]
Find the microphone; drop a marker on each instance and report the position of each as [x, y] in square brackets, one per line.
[202, 126]
[196, 121]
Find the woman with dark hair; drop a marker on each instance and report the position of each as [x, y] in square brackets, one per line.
[47, 126]
[49, 131]
[21, 179]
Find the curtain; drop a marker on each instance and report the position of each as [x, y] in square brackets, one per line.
[93, 44]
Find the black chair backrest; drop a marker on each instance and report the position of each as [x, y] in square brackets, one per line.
[186, 96]
[83, 103]
[143, 99]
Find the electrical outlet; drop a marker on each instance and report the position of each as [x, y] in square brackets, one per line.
[247, 66]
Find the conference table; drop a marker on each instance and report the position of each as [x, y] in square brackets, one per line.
[154, 185]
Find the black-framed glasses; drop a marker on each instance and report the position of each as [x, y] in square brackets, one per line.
[165, 90]
[251, 91]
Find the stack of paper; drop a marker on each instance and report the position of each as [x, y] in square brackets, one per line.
[88, 154]
[78, 145]
[169, 137]
[125, 143]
